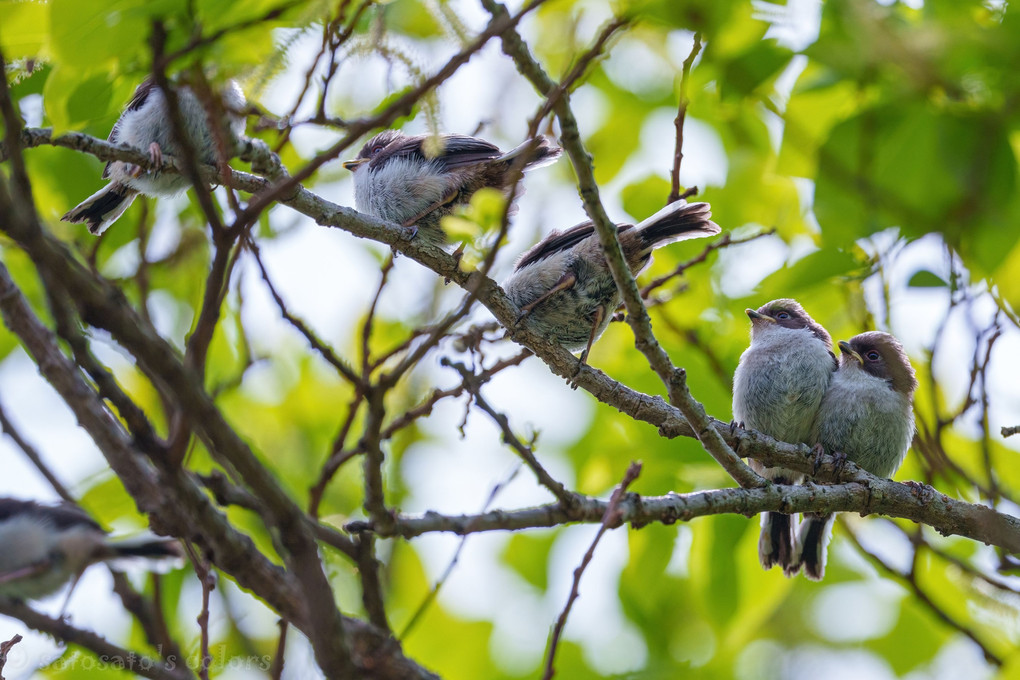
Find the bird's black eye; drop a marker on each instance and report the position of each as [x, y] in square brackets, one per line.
[783, 315]
[873, 355]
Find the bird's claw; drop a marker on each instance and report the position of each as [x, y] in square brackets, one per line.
[155, 154]
[818, 451]
[839, 460]
[582, 362]
[525, 311]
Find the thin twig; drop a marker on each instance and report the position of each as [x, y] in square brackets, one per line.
[910, 579]
[681, 116]
[723, 242]
[366, 328]
[610, 520]
[5, 648]
[318, 345]
[207, 579]
[566, 497]
[371, 585]
[434, 592]
[276, 670]
[7, 427]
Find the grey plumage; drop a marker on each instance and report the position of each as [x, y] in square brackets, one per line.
[777, 388]
[44, 547]
[145, 125]
[563, 284]
[397, 177]
[867, 414]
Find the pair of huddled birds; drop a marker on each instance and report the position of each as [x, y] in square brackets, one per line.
[788, 384]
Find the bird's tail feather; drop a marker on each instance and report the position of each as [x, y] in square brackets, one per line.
[813, 544]
[542, 153]
[775, 546]
[677, 221]
[102, 208]
[146, 545]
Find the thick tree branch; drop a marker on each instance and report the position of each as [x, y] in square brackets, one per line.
[865, 495]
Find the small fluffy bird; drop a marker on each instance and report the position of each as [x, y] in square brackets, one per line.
[145, 125]
[42, 547]
[868, 415]
[777, 388]
[563, 284]
[398, 178]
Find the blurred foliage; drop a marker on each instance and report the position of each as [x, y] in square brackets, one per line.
[885, 119]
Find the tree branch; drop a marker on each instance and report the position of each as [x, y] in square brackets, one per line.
[5, 648]
[637, 314]
[681, 117]
[133, 662]
[610, 519]
[865, 495]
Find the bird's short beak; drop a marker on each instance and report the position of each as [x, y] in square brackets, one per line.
[755, 316]
[354, 163]
[845, 348]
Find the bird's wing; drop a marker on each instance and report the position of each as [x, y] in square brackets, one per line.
[559, 241]
[61, 516]
[461, 150]
[137, 101]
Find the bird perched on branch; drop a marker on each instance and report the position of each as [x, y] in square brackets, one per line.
[563, 284]
[867, 415]
[416, 180]
[145, 125]
[44, 547]
[777, 388]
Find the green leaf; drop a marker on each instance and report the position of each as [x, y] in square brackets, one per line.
[818, 268]
[917, 168]
[97, 33]
[745, 74]
[24, 29]
[926, 279]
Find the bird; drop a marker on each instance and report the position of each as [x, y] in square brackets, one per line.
[45, 546]
[145, 125]
[563, 284]
[403, 179]
[778, 386]
[867, 415]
